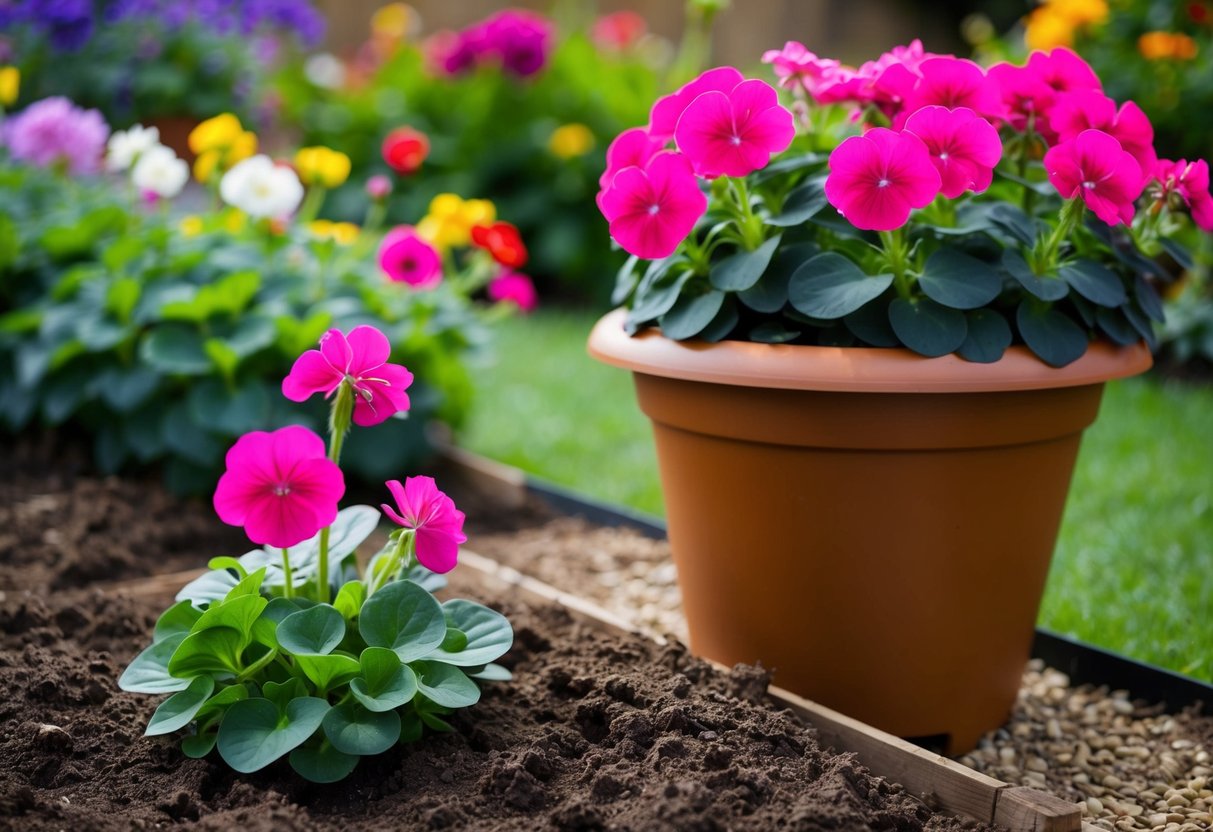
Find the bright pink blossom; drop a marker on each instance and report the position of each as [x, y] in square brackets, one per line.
[432, 515]
[1096, 168]
[515, 288]
[280, 486]
[1026, 96]
[360, 359]
[734, 134]
[651, 211]
[964, 147]
[631, 149]
[952, 82]
[1082, 110]
[1063, 70]
[797, 68]
[663, 118]
[1189, 182]
[884, 82]
[406, 258]
[878, 178]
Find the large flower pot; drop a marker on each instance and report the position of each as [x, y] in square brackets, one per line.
[874, 526]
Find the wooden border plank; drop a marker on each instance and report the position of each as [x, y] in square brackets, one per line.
[1033, 810]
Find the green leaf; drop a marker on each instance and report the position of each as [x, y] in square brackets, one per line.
[655, 299]
[317, 631]
[1047, 288]
[326, 672]
[489, 634]
[830, 286]
[250, 584]
[1148, 299]
[1055, 338]
[322, 764]
[386, 683]
[740, 271]
[281, 693]
[349, 599]
[250, 334]
[177, 619]
[188, 438]
[870, 324]
[149, 672]
[445, 685]
[490, 673]
[1095, 282]
[231, 411]
[199, 745]
[1117, 327]
[209, 587]
[956, 280]
[224, 357]
[802, 203]
[226, 562]
[125, 388]
[405, 618]
[773, 332]
[770, 293]
[352, 729]
[237, 612]
[988, 337]
[175, 348]
[179, 709]
[1013, 222]
[221, 700]
[690, 314]
[926, 327]
[215, 650]
[254, 733]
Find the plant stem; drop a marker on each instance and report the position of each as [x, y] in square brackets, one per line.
[339, 425]
[257, 665]
[401, 557]
[1026, 142]
[1044, 259]
[894, 245]
[311, 204]
[748, 221]
[288, 589]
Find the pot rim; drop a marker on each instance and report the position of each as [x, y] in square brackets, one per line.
[851, 369]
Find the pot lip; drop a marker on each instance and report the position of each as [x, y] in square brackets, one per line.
[851, 369]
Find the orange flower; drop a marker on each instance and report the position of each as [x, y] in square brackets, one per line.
[1160, 46]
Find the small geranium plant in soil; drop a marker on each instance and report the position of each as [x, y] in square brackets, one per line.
[294, 650]
[919, 200]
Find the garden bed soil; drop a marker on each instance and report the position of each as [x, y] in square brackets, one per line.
[597, 731]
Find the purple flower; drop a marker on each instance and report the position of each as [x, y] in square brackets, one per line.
[54, 131]
[68, 23]
[518, 40]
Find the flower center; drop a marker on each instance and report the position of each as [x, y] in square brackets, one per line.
[735, 141]
[1089, 185]
[654, 209]
[943, 156]
[883, 183]
[281, 490]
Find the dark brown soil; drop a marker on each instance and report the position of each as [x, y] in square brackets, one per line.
[595, 731]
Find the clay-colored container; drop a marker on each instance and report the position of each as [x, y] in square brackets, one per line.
[873, 525]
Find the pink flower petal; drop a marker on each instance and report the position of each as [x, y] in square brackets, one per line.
[663, 119]
[311, 373]
[369, 348]
[336, 350]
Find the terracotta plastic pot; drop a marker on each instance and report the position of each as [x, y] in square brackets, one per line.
[874, 526]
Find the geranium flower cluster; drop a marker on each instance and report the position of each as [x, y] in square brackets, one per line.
[517, 41]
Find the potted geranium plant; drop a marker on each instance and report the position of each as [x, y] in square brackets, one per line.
[869, 332]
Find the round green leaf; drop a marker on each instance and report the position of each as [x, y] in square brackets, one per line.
[489, 634]
[405, 618]
[804, 201]
[385, 683]
[322, 764]
[213, 650]
[870, 324]
[149, 673]
[353, 729]
[209, 587]
[725, 321]
[237, 613]
[445, 685]
[177, 619]
[349, 599]
[254, 733]
[220, 701]
[176, 712]
[988, 337]
[1117, 327]
[830, 286]
[690, 314]
[199, 745]
[1055, 338]
[1148, 299]
[770, 293]
[773, 332]
[1048, 288]
[326, 672]
[1095, 282]
[490, 673]
[954, 279]
[175, 348]
[317, 630]
[740, 271]
[926, 327]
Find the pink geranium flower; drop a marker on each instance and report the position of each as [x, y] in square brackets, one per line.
[280, 486]
[1189, 182]
[878, 178]
[631, 149]
[651, 211]
[734, 133]
[663, 118]
[359, 359]
[1063, 70]
[406, 258]
[432, 515]
[1096, 168]
[515, 288]
[797, 68]
[953, 82]
[1082, 110]
[1025, 95]
[964, 147]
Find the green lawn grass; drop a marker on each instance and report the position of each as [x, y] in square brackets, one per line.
[1133, 570]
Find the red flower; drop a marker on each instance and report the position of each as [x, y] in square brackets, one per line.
[404, 149]
[502, 240]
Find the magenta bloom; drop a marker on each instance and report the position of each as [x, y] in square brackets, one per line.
[734, 134]
[663, 118]
[280, 486]
[361, 359]
[651, 211]
[797, 68]
[432, 515]
[515, 288]
[1189, 181]
[1094, 166]
[631, 149]
[406, 258]
[1063, 70]
[953, 82]
[1082, 110]
[964, 147]
[878, 178]
[55, 131]
[519, 41]
[1025, 94]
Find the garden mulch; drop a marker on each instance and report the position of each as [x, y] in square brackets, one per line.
[596, 731]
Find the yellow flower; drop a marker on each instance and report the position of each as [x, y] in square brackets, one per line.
[10, 85]
[342, 233]
[1081, 12]
[191, 226]
[235, 220]
[322, 166]
[1045, 29]
[571, 140]
[219, 143]
[218, 133]
[206, 164]
[242, 147]
[393, 21]
[450, 220]
[1158, 46]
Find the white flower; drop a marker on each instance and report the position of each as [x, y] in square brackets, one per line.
[125, 146]
[260, 188]
[159, 171]
[325, 70]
